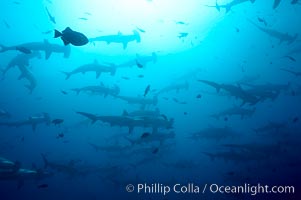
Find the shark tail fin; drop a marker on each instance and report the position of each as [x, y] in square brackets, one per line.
[276, 3]
[68, 74]
[125, 113]
[155, 57]
[137, 35]
[45, 160]
[218, 8]
[3, 48]
[57, 33]
[114, 68]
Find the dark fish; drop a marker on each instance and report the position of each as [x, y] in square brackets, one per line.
[16, 2]
[140, 76]
[41, 186]
[139, 64]
[237, 29]
[185, 113]
[57, 121]
[226, 119]
[156, 150]
[182, 35]
[71, 37]
[64, 92]
[23, 50]
[145, 135]
[199, 96]
[291, 58]
[146, 90]
[165, 98]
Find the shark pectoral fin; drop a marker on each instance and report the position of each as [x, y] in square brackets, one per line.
[20, 184]
[98, 74]
[47, 54]
[131, 128]
[125, 44]
[34, 127]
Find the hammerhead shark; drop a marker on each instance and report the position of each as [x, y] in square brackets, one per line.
[32, 121]
[45, 46]
[119, 38]
[282, 37]
[229, 5]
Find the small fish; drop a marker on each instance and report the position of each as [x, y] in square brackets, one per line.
[64, 92]
[182, 35]
[57, 121]
[181, 23]
[51, 18]
[83, 18]
[47, 32]
[17, 2]
[23, 50]
[87, 13]
[141, 30]
[6, 24]
[199, 96]
[165, 98]
[262, 20]
[139, 65]
[125, 78]
[237, 30]
[41, 186]
[185, 113]
[291, 58]
[226, 119]
[183, 102]
[147, 89]
[156, 150]
[175, 100]
[140, 76]
[145, 135]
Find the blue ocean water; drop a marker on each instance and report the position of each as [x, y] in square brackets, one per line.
[164, 94]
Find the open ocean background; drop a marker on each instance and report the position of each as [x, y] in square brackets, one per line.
[187, 43]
